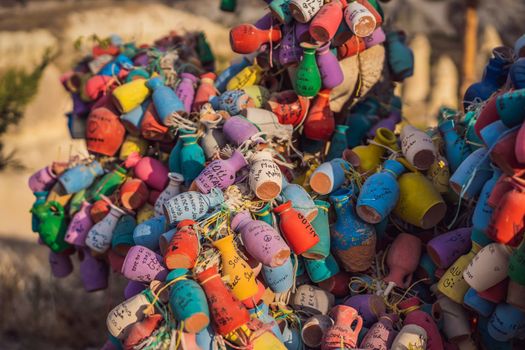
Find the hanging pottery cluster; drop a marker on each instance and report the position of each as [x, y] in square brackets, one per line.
[280, 204]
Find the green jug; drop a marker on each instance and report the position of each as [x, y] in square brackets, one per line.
[308, 77]
[52, 225]
[107, 184]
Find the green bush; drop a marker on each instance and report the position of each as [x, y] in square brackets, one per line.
[17, 88]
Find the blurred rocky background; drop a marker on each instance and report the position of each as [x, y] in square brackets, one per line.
[41, 313]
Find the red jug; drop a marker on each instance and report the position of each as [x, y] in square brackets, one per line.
[104, 132]
[504, 156]
[227, 312]
[289, 107]
[325, 23]
[296, 229]
[351, 47]
[247, 38]
[320, 123]
[184, 247]
[507, 225]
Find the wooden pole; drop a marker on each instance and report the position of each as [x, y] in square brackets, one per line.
[470, 45]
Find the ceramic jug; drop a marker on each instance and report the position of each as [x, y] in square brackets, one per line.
[94, 273]
[417, 147]
[165, 100]
[469, 178]
[343, 333]
[360, 122]
[259, 94]
[289, 107]
[307, 81]
[247, 38]
[227, 312]
[40, 199]
[184, 247]
[150, 170]
[329, 176]
[322, 228]
[220, 173]
[238, 129]
[338, 143]
[100, 234]
[300, 199]
[402, 261]
[494, 76]
[130, 95]
[191, 205]
[52, 225]
[133, 119]
[502, 186]
[320, 123]
[400, 57]
[230, 72]
[369, 307]
[360, 19]
[265, 214]
[329, 67]
[322, 269]
[506, 322]
[506, 224]
[380, 193]
[410, 337]
[107, 184]
[150, 127]
[312, 299]
[304, 10]
[517, 265]
[241, 276]
[314, 330]
[411, 308]
[213, 139]
[249, 76]
[142, 330]
[370, 155]
[143, 265]
[483, 211]
[448, 247]
[354, 240]
[79, 226]
[192, 158]
[42, 180]
[148, 232]
[381, 335]
[296, 229]
[456, 325]
[289, 50]
[205, 91]
[173, 189]
[188, 301]
[475, 302]
[80, 177]
[509, 107]
[261, 240]
[60, 264]
[130, 311]
[265, 178]
[174, 160]
[186, 90]
[489, 267]
[503, 154]
[122, 238]
[452, 284]
[419, 203]
[133, 194]
[280, 278]
[456, 150]
[325, 23]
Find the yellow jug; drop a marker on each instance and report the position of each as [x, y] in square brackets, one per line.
[130, 95]
[370, 155]
[133, 144]
[249, 76]
[242, 278]
[259, 94]
[439, 174]
[452, 284]
[419, 203]
[264, 341]
[145, 212]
